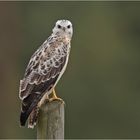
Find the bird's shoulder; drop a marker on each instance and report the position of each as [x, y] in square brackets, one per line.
[51, 50]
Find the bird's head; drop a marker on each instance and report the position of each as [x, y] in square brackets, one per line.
[63, 27]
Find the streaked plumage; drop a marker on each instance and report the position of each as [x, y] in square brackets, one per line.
[44, 70]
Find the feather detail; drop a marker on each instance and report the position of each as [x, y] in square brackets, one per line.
[40, 77]
[33, 118]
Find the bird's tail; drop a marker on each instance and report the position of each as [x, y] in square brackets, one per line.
[33, 117]
[24, 116]
[29, 104]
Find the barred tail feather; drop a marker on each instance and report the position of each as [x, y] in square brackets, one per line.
[28, 105]
[33, 118]
[24, 115]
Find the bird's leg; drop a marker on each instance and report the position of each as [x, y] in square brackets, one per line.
[54, 94]
[54, 97]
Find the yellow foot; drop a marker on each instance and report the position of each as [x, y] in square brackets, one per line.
[55, 98]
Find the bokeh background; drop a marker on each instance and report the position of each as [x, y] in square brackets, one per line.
[101, 86]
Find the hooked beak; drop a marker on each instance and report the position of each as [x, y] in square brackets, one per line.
[64, 29]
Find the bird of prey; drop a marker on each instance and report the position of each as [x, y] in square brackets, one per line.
[44, 70]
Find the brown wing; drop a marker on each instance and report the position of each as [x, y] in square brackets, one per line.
[41, 74]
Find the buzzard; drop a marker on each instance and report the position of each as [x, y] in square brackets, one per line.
[44, 70]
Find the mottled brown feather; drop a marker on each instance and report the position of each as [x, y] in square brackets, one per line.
[41, 74]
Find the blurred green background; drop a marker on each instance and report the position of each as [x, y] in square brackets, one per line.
[101, 86]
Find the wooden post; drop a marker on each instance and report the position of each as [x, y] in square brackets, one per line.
[51, 121]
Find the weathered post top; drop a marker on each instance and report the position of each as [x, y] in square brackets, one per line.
[51, 120]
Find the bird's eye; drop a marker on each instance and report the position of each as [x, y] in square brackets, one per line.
[68, 26]
[59, 26]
